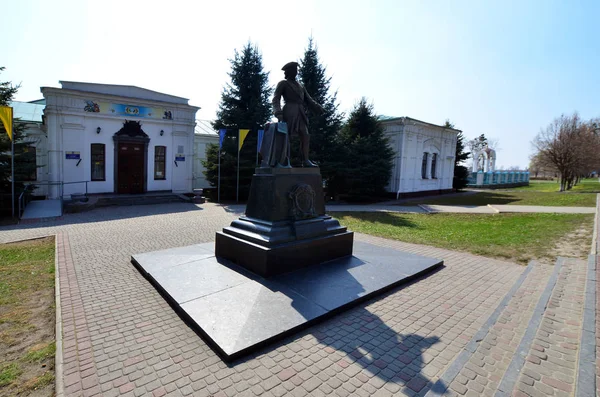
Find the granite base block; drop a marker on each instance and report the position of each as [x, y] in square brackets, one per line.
[237, 312]
[283, 258]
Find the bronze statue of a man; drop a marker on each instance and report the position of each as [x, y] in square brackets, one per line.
[293, 113]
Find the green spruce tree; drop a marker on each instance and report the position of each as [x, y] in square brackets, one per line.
[323, 128]
[461, 173]
[368, 155]
[24, 165]
[245, 104]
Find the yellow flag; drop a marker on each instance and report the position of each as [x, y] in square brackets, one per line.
[6, 116]
[243, 134]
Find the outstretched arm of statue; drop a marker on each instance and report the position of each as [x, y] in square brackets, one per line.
[277, 101]
[314, 106]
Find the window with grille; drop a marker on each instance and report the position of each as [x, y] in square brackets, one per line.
[433, 165]
[160, 156]
[98, 162]
[424, 166]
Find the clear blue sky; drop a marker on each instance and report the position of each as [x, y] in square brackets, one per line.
[503, 68]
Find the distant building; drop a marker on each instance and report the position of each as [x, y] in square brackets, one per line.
[424, 160]
[120, 139]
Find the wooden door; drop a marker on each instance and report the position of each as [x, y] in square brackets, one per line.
[130, 173]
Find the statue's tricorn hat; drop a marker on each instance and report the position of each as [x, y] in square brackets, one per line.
[290, 65]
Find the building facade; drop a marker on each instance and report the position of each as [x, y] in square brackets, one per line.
[424, 160]
[125, 139]
[118, 139]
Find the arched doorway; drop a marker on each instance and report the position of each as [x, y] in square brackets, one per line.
[131, 158]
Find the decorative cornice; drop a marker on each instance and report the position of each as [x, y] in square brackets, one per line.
[55, 110]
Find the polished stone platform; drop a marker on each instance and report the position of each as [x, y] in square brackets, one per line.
[237, 311]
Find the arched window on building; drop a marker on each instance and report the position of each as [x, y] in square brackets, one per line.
[98, 162]
[160, 157]
[433, 165]
[424, 166]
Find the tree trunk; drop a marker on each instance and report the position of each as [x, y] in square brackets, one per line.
[562, 182]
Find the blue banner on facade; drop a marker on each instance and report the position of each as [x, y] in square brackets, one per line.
[129, 110]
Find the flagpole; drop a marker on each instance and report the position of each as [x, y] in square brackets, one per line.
[237, 190]
[219, 177]
[12, 167]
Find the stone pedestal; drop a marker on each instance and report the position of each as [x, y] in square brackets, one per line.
[285, 227]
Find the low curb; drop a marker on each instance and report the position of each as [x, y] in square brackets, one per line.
[426, 208]
[586, 371]
[58, 355]
[595, 248]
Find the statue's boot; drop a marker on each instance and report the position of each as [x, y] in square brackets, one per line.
[308, 163]
[285, 165]
[304, 148]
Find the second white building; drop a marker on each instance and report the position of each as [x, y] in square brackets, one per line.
[424, 156]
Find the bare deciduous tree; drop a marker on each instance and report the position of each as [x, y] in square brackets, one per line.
[570, 146]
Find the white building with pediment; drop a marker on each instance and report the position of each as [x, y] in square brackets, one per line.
[424, 160]
[121, 139]
[118, 139]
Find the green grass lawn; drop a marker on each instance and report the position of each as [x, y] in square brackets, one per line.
[517, 237]
[537, 193]
[585, 186]
[27, 318]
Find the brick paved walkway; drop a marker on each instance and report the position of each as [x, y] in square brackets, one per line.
[486, 368]
[120, 337]
[551, 362]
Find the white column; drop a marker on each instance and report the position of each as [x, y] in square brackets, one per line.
[479, 178]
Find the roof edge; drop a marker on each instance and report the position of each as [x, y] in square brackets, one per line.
[403, 118]
[78, 85]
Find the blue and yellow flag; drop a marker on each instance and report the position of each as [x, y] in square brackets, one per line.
[243, 134]
[6, 116]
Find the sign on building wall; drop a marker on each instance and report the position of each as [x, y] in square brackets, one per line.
[180, 156]
[127, 110]
[72, 155]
